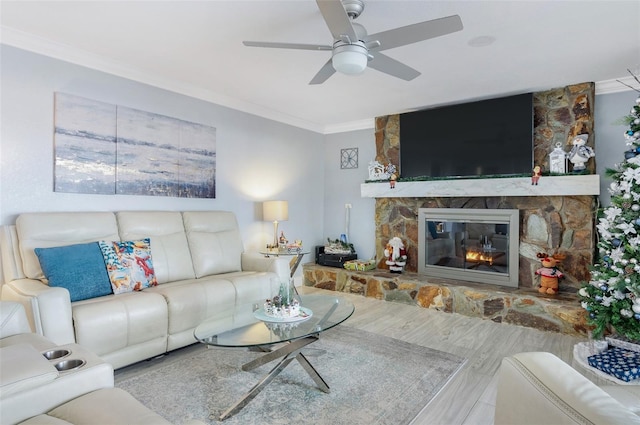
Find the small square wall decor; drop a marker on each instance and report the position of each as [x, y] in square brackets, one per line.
[349, 158]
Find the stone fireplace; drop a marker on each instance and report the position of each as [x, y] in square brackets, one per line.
[557, 215]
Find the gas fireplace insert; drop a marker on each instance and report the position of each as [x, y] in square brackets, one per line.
[477, 245]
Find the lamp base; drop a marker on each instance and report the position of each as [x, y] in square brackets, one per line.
[275, 234]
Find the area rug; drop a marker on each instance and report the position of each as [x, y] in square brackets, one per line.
[373, 379]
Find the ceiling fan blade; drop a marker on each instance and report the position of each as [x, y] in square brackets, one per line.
[416, 32]
[323, 75]
[384, 63]
[287, 45]
[337, 19]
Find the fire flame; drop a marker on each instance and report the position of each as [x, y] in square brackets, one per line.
[477, 257]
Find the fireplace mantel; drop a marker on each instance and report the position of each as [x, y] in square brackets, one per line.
[568, 185]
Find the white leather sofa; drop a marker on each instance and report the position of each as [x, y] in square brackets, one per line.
[33, 390]
[199, 263]
[538, 388]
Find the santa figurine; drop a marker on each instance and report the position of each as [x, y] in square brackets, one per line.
[396, 255]
[580, 152]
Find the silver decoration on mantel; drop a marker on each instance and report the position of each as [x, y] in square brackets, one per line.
[377, 171]
[558, 160]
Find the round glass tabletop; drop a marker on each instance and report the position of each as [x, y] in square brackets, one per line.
[242, 327]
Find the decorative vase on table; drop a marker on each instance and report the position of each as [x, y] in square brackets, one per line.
[286, 303]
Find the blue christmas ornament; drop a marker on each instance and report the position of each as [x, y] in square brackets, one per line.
[637, 316]
[607, 258]
[637, 221]
[615, 242]
[629, 154]
[598, 298]
[638, 149]
[592, 315]
[629, 132]
[604, 287]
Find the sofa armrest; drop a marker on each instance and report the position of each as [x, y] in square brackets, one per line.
[13, 319]
[48, 309]
[259, 263]
[539, 388]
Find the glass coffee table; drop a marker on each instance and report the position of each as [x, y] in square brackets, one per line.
[246, 326]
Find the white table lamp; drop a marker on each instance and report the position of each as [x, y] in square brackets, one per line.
[275, 211]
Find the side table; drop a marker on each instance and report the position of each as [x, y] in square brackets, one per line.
[582, 350]
[293, 263]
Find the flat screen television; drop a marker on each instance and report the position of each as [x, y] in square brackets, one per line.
[487, 137]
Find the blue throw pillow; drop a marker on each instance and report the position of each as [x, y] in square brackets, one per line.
[431, 225]
[78, 268]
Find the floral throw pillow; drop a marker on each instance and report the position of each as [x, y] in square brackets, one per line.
[129, 265]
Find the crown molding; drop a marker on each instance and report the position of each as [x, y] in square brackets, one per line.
[46, 47]
[616, 85]
[364, 124]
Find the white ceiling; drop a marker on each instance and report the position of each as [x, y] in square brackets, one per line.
[196, 48]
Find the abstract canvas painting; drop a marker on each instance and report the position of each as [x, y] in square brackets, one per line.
[102, 148]
[85, 145]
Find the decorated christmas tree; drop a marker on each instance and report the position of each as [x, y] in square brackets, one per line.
[612, 296]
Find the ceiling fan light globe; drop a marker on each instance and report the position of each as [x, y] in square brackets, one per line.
[350, 59]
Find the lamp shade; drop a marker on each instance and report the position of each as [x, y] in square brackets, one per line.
[275, 211]
[350, 58]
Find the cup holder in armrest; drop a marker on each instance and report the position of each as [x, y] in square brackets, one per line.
[56, 354]
[71, 364]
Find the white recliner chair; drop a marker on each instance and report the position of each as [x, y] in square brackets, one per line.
[36, 389]
[539, 388]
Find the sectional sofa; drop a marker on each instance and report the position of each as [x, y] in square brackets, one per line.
[39, 384]
[199, 269]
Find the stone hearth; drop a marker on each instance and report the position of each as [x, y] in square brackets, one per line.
[524, 306]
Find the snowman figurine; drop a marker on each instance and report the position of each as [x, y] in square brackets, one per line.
[580, 152]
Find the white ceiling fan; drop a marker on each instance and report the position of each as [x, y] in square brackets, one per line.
[353, 48]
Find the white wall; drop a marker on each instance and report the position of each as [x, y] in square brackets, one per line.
[609, 128]
[257, 159]
[342, 186]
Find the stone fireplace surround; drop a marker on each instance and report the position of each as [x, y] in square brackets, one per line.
[548, 223]
[556, 215]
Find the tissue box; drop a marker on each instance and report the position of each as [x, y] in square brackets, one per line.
[619, 362]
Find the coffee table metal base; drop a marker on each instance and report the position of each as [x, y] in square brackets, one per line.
[288, 352]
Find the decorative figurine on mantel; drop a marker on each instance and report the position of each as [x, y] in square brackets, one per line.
[396, 255]
[393, 175]
[377, 171]
[580, 152]
[535, 177]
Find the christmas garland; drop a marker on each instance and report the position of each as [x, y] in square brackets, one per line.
[488, 176]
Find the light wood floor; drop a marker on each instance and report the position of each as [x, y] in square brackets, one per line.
[469, 398]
